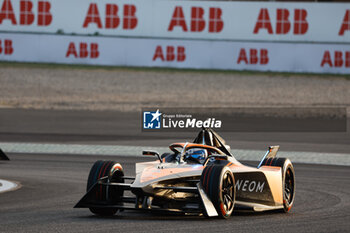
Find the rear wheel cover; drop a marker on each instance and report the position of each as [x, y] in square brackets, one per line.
[227, 193]
[288, 180]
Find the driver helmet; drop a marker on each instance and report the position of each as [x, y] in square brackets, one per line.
[197, 153]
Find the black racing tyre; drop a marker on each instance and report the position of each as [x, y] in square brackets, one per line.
[219, 184]
[277, 162]
[288, 185]
[114, 172]
[288, 180]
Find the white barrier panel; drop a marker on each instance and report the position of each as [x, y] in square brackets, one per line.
[286, 57]
[246, 21]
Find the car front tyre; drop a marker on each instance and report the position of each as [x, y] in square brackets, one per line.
[219, 184]
[114, 171]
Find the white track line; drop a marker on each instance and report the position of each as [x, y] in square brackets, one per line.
[6, 186]
[294, 156]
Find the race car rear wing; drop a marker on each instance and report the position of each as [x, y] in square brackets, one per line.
[271, 153]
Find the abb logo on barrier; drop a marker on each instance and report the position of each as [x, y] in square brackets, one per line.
[26, 14]
[346, 23]
[340, 59]
[198, 23]
[254, 58]
[112, 18]
[6, 47]
[170, 54]
[283, 25]
[83, 50]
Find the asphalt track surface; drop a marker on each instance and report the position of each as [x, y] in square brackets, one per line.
[52, 184]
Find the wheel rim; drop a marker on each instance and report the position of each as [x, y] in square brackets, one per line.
[227, 192]
[289, 186]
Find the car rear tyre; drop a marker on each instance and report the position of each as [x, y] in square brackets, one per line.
[288, 185]
[288, 180]
[219, 184]
[114, 172]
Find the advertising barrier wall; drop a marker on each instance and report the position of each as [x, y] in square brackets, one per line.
[272, 56]
[294, 37]
[249, 21]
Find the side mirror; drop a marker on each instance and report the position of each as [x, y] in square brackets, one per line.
[151, 153]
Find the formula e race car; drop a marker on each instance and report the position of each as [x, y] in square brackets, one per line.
[197, 178]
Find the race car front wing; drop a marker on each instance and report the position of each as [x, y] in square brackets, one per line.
[144, 203]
